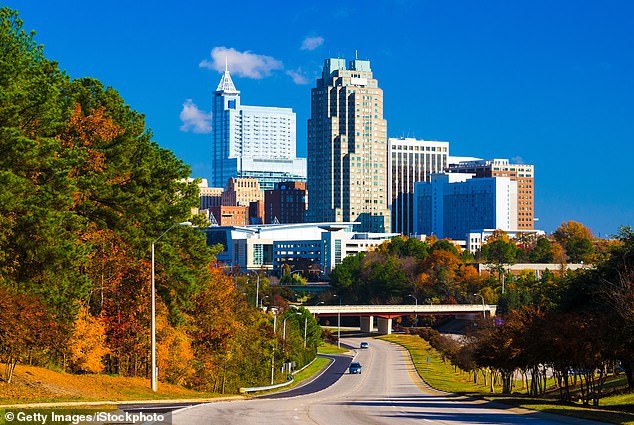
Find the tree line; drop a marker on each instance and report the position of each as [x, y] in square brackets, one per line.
[85, 192]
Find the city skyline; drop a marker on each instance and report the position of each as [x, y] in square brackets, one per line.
[539, 83]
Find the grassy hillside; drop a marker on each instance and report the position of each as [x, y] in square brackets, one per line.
[35, 384]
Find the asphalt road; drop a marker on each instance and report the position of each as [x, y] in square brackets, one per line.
[337, 367]
[388, 391]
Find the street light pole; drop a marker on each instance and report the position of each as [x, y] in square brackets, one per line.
[273, 355]
[257, 290]
[285, 319]
[483, 311]
[338, 323]
[416, 300]
[153, 326]
[305, 328]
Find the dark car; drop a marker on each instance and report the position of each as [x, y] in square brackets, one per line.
[363, 345]
[355, 367]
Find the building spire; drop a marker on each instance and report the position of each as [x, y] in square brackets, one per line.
[226, 83]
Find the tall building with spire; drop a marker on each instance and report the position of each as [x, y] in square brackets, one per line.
[252, 141]
[347, 148]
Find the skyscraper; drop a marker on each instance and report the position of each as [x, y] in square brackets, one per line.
[411, 161]
[252, 141]
[347, 148]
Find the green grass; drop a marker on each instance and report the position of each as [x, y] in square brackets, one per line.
[315, 367]
[326, 348]
[441, 376]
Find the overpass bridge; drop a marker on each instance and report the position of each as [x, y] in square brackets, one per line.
[385, 313]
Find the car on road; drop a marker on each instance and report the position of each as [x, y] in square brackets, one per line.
[364, 345]
[355, 367]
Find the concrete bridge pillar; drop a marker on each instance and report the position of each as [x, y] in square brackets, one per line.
[367, 323]
[385, 325]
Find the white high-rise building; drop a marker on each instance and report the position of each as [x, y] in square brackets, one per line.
[453, 205]
[410, 161]
[252, 141]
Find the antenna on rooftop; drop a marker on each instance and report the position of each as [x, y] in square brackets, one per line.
[356, 54]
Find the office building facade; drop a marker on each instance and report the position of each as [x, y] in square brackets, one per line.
[523, 174]
[286, 203]
[347, 148]
[252, 141]
[269, 247]
[452, 205]
[410, 161]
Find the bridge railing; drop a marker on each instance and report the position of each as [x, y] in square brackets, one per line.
[413, 309]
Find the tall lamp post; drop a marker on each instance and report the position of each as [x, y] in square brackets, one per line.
[257, 290]
[415, 300]
[284, 325]
[338, 323]
[305, 328]
[262, 302]
[483, 311]
[153, 343]
[274, 309]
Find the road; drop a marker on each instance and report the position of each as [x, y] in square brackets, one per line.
[389, 391]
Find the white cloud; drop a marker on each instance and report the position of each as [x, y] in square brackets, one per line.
[194, 119]
[244, 64]
[298, 76]
[311, 43]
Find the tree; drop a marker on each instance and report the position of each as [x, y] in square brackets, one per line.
[87, 344]
[616, 292]
[542, 251]
[26, 329]
[499, 251]
[445, 245]
[576, 239]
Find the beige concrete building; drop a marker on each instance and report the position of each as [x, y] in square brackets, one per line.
[210, 197]
[242, 191]
[347, 148]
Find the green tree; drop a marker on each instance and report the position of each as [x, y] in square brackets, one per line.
[498, 252]
[576, 239]
[542, 252]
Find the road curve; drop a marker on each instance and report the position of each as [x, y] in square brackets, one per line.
[389, 391]
[334, 370]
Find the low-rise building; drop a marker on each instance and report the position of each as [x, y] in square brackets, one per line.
[269, 247]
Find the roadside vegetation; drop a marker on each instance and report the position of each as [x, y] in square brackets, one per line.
[327, 348]
[40, 385]
[442, 375]
[86, 192]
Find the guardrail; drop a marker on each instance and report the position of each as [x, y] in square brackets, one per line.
[268, 387]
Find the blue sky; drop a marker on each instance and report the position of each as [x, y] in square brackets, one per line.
[548, 83]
